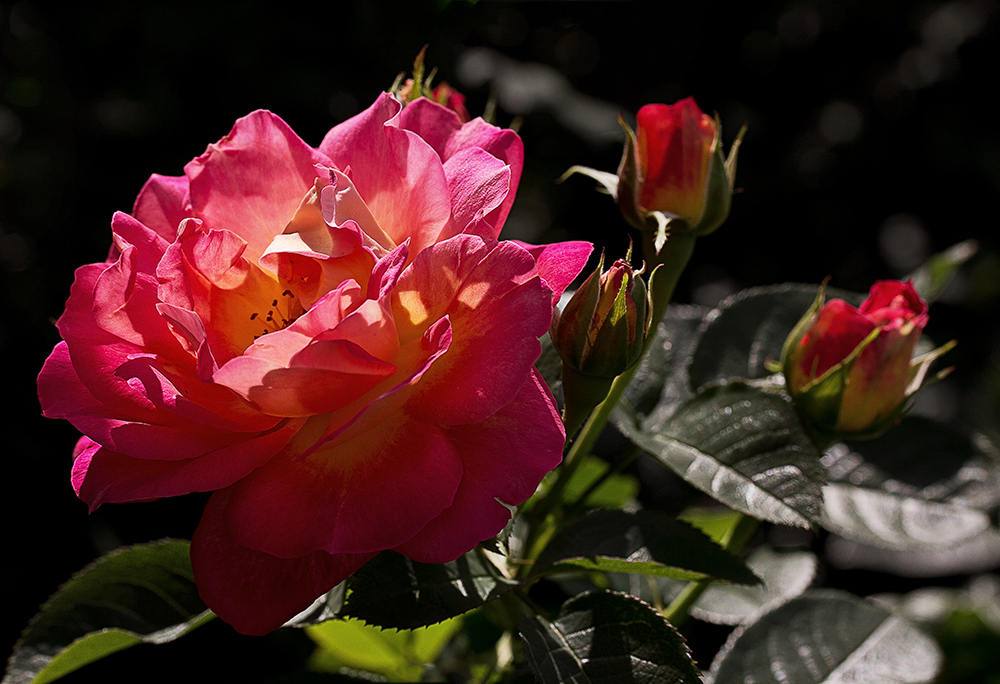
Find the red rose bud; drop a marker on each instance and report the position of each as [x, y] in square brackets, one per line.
[672, 173]
[600, 333]
[850, 370]
[674, 146]
[445, 95]
[676, 170]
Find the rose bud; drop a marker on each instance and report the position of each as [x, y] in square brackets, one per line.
[672, 173]
[850, 369]
[599, 334]
[445, 95]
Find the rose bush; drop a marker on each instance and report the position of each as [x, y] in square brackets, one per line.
[850, 368]
[330, 339]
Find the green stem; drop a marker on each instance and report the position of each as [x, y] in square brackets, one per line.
[677, 612]
[579, 504]
[668, 266]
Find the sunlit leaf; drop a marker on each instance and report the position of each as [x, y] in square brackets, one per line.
[784, 575]
[398, 655]
[612, 493]
[920, 485]
[827, 637]
[742, 445]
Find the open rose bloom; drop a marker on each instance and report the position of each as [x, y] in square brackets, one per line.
[331, 339]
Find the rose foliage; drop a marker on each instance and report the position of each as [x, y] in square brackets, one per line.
[331, 339]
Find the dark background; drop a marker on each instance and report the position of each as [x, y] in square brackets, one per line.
[872, 143]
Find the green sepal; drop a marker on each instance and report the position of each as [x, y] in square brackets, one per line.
[628, 181]
[799, 331]
[718, 188]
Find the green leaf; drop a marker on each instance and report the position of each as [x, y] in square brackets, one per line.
[920, 485]
[933, 277]
[660, 383]
[785, 575]
[743, 338]
[716, 522]
[139, 594]
[548, 654]
[398, 655]
[614, 492]
[393, 591]
[645, 542]
[827, 636]
[742, 445]
[607, 638]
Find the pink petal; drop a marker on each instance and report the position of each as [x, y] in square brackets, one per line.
[150, 245]
[498, 308]
[444, 132]
[163, 203]
[504, 457]
[433, 122]
[399, 176]
[479, 183]
[252, 181]
[124, 305]
[559, 263]
[101, 475]
[324, 376]
[255, 592]
[367, 491]
[502, 143]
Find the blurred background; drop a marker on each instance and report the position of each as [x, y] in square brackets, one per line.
[872, 144]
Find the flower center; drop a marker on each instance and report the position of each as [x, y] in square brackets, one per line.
[282, 312]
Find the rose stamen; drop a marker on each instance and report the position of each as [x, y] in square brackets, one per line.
[275, 320]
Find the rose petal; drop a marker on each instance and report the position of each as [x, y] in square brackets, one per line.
[252, 181]
[254, 592]
[367, 491]
[101, 475]
[399, 176]
[558, 264]
[503, 458]
[163, 203]
[498, 308]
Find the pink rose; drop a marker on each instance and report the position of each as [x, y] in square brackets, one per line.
[331, 339]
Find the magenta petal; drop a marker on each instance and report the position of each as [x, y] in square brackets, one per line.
[254, 592]
[479, 183]
[104, 476]
[502, 143]
[498, 309]
[150, 245]
[504, 457]
[559, 263]
[366, 491]
[163, 203]
[433, 122]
